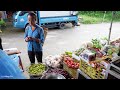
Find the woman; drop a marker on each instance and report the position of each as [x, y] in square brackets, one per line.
[34, 35]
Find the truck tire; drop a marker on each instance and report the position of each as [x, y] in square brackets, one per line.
[74, 24]
[62, 25]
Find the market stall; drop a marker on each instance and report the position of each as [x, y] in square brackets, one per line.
[96, 59]
[93, 60]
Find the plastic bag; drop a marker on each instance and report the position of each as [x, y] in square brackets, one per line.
[8, 69]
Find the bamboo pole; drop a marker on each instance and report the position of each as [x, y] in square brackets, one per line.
[113, 13]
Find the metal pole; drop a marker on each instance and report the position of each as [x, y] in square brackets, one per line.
[113, 13]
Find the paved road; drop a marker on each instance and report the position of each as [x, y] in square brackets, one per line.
[57, 40]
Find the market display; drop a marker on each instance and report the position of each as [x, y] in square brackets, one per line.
[37, 69]
[93, 58]
[72, 64]
[96, 57]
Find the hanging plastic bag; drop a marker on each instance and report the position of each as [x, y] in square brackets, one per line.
[8, 69]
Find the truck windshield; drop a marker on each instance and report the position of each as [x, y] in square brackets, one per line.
[23, 13]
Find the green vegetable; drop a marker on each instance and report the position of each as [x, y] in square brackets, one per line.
[96, 43]
[110, 52]
[68, 53]
[36, 69]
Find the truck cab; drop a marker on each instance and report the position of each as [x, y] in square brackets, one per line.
[49, 19]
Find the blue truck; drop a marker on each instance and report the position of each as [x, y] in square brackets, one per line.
[49, 19]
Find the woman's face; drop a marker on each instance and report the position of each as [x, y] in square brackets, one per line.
[31, 20]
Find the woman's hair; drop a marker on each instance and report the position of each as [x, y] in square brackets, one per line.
[33, 15]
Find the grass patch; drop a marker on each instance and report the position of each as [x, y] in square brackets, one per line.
[93, 17]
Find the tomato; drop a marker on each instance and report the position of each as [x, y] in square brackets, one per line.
[67, 61]
[73, 66]
[71, 60]
[72, 63]
[76, 67]
[69, 65]
[78, 64]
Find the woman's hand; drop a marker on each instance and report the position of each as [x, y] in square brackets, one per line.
[37, 40]
[28, 39]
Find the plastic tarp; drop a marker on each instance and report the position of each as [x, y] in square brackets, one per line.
[8, 68]
[15, 58]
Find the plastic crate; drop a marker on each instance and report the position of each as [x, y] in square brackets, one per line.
[91, 71]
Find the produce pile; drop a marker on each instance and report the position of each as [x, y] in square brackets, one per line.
[54, 61]
[96, 43]
[37, 69]
[59, 71]
[71, 63]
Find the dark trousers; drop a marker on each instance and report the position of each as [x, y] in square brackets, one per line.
[38, 55]
[1, 44]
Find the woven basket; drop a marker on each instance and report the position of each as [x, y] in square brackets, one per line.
[35, 76]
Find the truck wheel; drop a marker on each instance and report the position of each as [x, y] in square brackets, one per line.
[62, 25]
[74, 24]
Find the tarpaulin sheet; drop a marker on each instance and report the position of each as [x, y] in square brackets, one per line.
[8, 68]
